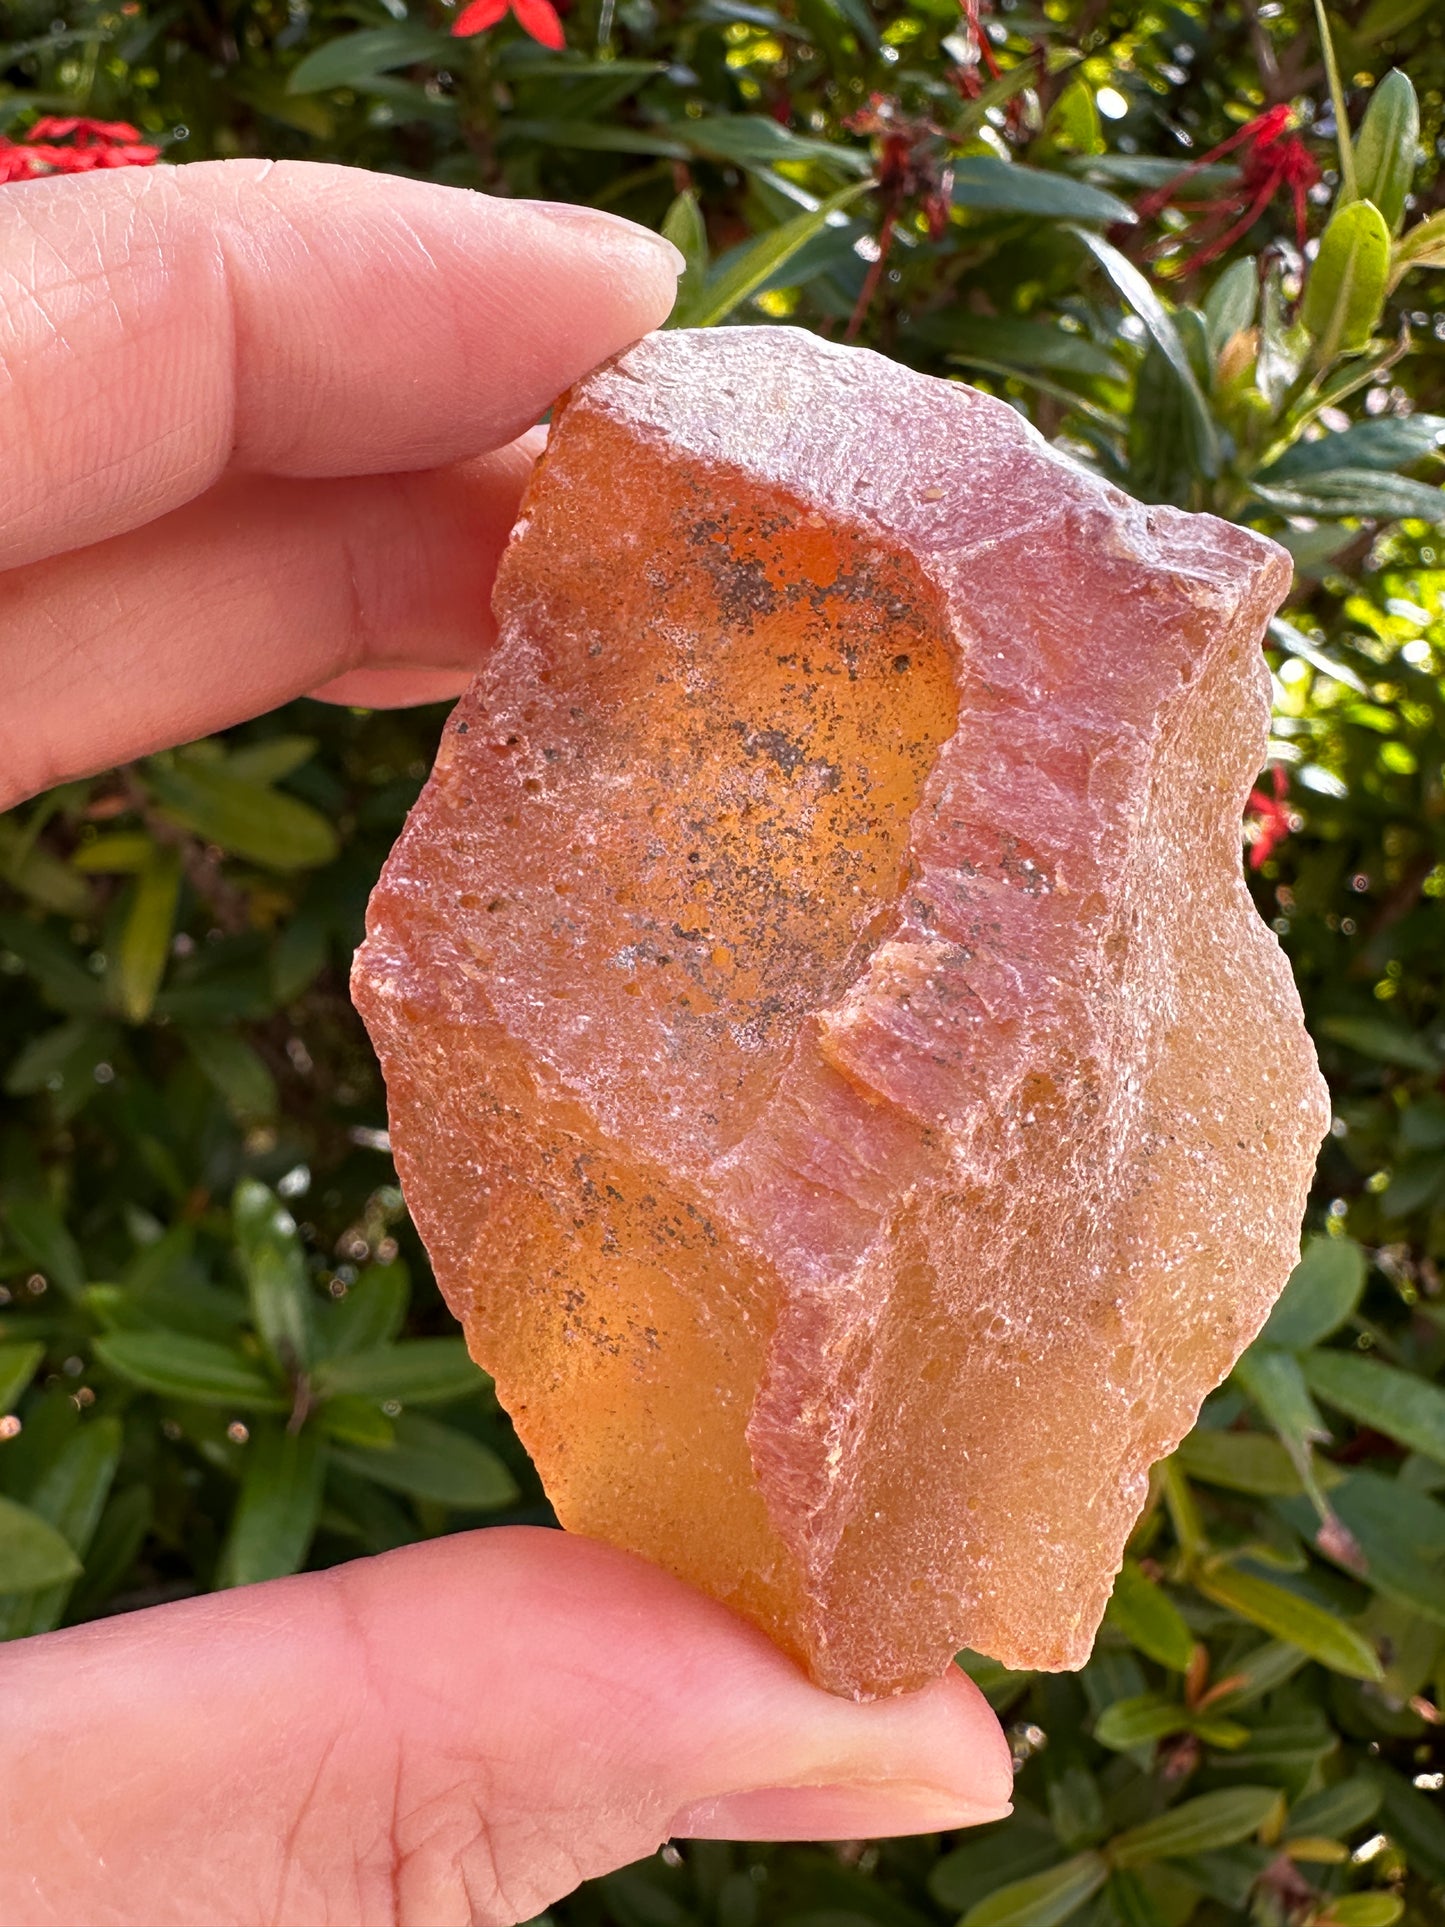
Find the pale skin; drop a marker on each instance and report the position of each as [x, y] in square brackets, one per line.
[265, 429]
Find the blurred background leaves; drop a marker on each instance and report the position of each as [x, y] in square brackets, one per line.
[221, 1353]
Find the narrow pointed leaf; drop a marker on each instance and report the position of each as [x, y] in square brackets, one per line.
[1159, 324]
[1201, 1825]
[274, 1266]
[18, 1365]
[1322, 1292]
[1148, 1618]
[1345, 291]
[984, 182]
[70, 1496]
[280, 1501]
[1387, 147]
[422, 1371]
[744, 272]
[431, 1461]
[1399, 1404]
[1288, 1616]
[145, 938]
[32, 1552]
[683, 225]
[1044, 1899]
[190, 1368]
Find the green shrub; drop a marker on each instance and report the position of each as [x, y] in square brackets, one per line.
[217, 1328]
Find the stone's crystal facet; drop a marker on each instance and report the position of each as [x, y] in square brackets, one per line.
[834, 1062]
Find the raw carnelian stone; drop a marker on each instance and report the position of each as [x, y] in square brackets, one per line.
[835, 1065]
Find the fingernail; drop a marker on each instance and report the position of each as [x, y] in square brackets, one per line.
[608, 228]
[830, 1813]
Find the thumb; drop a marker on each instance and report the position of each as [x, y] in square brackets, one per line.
[457, 1732]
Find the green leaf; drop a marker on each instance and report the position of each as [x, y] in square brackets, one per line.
[63, 1061]
[70, 1496]
[355, 57]
[1201, 1825]
[1240, 1462]
[1073, 120]
[1161, 329]
[190, 1368]
[1383, 19]
[369, 1315]
[355, 1421]
[683, 225]
[1132, 1902]
[113, 1549]
[1335, 1812]
[32, 1553]
[1259, 1672]
[992, 1857]
[36, 1227]
[270, 760]
[422, 1371]
[1274, 1382]
[274, 1267]
[18, 1365]
[1422, 247]
[1044, 1899]
[62, 982]
[1024, 345]
[1345, 292]
[757, 140]
[1400, 1532]
[298, 956]
[1288, 1616]
[236, 1071]
[1321, 1294]
[431, 1461]
[1391, 1401]
[1148, 1618]
[1412, 1819]
[1385, 442]
[280, 1501]
[1232, 303]
[745, 271]
[1009, 187]
[1386, 1042]
[591, 137]
[1356, 491]
[1387, 147]
[1140, 1721]
[1365, 1910]
[249, 820]
[145, 937]
[31, 869]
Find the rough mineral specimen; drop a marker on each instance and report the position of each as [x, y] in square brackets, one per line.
[834, 1062]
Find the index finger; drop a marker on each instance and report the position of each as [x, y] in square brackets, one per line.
[158, 326]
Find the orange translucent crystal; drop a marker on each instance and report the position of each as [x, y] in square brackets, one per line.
[834, 1062]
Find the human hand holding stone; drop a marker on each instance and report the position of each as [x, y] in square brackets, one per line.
[241, 409]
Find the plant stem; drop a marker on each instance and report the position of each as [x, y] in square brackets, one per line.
[1348, 189]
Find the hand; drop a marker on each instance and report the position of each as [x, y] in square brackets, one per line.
[258, 426]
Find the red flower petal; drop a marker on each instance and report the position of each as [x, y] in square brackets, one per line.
[476, 18]
[540, 19]
[16, 164]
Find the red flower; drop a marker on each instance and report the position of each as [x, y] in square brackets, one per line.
[1274, 158]
[74, 146]
[1271, 821]
[536, 17]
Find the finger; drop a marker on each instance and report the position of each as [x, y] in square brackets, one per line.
[373, 590]
[456, 1732]
[157, 325]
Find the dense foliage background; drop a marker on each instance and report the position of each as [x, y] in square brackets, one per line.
[221, 1352]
